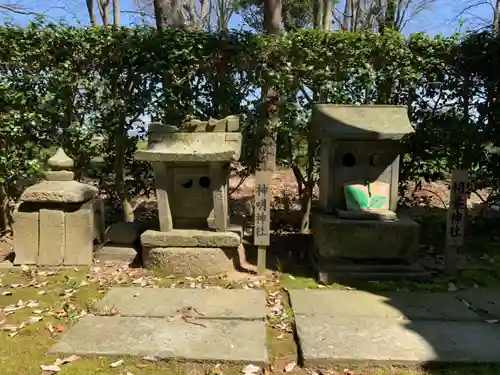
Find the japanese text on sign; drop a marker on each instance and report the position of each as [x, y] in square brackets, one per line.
[457, 209]
[262, 208]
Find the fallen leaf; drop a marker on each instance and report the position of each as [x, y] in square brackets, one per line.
[290, 366]
[71, 358]
[452, 287]
[9, 328]
[348, 372]
[33, 319]
[14, 286]
[150, 358]
[42, 292]
[24, 268]
[291, 277]
[50, 327]
[251, 369]
[492, 321]
[51, 368]
[6, 293]
[117, 363]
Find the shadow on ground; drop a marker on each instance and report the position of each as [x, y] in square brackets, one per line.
[288, 254]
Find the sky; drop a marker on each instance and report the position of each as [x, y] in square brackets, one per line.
[439, 17]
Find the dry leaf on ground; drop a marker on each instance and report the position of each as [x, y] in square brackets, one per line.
[117, 363]
[251, 369]
[51, 368]
[290, 366]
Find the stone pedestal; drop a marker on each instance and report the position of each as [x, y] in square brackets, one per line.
[58, 220]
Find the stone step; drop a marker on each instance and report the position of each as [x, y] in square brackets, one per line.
[346, 340]
[389, 305]
[164, 302]
[217, 340]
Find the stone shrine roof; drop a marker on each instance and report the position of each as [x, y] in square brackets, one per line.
[360, 122]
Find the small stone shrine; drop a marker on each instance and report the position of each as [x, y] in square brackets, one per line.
[58, 219]
[191, 170]
[356, 231]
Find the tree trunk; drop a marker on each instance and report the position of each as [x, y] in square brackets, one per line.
[91, 11]
[121, 189]
[116, 12]
[267, 151]
[327, 16]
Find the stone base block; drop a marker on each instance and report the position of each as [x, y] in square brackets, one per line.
[118, 253]
[189, 238]
[364, 239]
[191, 261]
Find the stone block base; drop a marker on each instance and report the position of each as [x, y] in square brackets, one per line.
[56, 234]
[364, 239]
[116, 253]
[189, 238]
[191, 261]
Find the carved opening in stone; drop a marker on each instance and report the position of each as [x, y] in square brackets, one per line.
[187, 184]
[204, 182]
[375, 160]
[349, 160]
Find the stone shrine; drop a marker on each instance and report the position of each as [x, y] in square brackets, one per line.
[356, 231]
[191, 170]
[59, 219]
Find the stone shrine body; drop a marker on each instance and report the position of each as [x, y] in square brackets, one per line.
[356, 226]
[191, 170]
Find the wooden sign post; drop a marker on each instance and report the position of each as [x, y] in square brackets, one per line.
[455, 223]
[262, 219]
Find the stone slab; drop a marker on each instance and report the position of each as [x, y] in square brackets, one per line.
[164, 302]
[487, 300]
[59, 192]
[52, 238]
[26, 236]
[191, 261]
[218, 340]
[189, 238]
[362, 340]
[116, 253]
[397, 305]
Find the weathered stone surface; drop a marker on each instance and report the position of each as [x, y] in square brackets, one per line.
[52, 238]
[487, 300]
[366, 215]
[364, 239]
[361, 122]
[397, 305]
[361, 339]
[80, 233]
[164, 302]
[115, 253]
[192, 147]
[59, 192]
[218, 340]
[190, 261]
[26, 236]
[58, 175]
[122, 233]
[60, 161]
[189, 238]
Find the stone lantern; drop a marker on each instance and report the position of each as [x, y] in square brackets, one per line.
[191, 170]
[58, 220]
[355, 229]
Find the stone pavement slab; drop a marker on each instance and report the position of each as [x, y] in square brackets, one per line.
[219, 340]
[409, 305]
[485, 299]
[346, 339]
[163, 302]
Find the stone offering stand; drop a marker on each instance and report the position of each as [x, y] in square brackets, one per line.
[58, 220]
[191, 170]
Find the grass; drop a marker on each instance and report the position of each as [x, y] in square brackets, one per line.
[70, 291]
